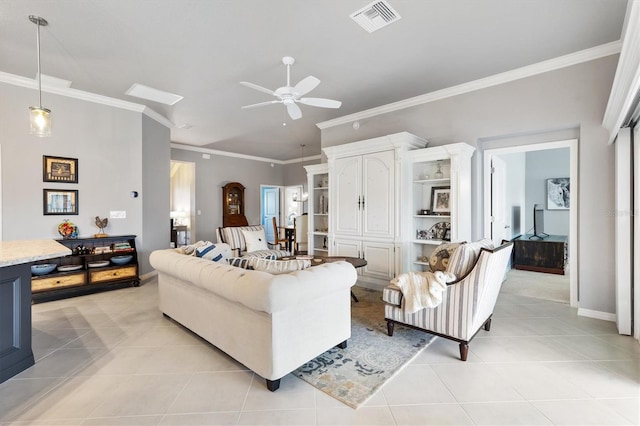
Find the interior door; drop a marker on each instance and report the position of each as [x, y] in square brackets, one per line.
[500, 229]
[270, 209]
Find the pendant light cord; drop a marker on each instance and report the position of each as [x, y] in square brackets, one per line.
[39, 72]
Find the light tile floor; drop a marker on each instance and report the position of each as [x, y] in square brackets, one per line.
[113, 359]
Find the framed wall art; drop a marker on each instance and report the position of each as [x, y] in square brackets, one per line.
[440, 200]
[60, 202]
[558, 194]
[59, 169]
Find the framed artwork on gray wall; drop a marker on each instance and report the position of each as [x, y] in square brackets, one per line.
[60, 202]
[558, 194]
[59, 169]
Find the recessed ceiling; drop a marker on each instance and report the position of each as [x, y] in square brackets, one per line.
[202, 49]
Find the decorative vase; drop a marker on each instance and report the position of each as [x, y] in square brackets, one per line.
[438, 174]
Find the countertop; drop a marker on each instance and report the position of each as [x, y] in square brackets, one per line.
[26, 251]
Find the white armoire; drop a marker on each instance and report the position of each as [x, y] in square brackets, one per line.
[365, 203]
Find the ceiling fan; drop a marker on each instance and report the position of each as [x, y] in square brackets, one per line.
[290, 96]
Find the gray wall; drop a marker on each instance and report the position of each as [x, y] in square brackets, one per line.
[541, 165]
[548, 106]
[212, 174]
[155, 192]
[108, 143]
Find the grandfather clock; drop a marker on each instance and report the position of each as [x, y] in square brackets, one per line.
[233, 205]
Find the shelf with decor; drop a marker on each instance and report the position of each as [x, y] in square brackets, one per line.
[440, 206]
[318, 182]
[95, 264]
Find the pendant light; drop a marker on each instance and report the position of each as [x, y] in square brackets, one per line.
[39, 117]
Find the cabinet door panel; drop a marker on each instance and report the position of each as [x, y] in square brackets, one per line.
[378, 191]
[348, 248]
[380, 260]
[348, 190]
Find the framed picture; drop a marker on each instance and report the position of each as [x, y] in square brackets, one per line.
[558, 194]
[60, 202]
[59, 169]
[440, 200]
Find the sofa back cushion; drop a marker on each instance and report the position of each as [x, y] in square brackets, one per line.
[465, 257]
[274, 267]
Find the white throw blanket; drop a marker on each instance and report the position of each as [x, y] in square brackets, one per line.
[422, 289]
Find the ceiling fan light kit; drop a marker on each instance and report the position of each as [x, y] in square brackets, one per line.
[290, 96]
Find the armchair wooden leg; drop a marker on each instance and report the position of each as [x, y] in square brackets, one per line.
[273, 385]
[464, 350]
[390, 325]
[487, 325]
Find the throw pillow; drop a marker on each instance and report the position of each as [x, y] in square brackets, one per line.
[439, 259]
[191, 249]
[255, 240]
[276, 267]
[215, 252]
[240, 262]
[464, 259]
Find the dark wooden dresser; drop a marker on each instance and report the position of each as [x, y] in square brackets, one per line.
[548, 255]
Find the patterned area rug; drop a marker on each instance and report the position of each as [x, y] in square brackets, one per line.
[354, 374]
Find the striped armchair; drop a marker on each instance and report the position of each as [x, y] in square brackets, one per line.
[467, 303]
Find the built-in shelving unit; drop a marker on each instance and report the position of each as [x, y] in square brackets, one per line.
[318, 184]
[440, 207]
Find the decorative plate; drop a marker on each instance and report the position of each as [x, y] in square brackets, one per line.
[68, 230]
[67, 268]
[441, 231]
[98, 264]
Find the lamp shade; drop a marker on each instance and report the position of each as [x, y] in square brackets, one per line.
[40, 119]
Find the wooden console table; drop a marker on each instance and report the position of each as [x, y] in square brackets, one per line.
[548, 255]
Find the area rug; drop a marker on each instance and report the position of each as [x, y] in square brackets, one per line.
[354, 374]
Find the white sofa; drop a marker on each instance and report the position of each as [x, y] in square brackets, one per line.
[270, 323]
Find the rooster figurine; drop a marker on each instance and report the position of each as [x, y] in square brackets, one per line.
[101, 223]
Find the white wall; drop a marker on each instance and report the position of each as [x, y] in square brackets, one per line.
[515, 196]
[548, 106]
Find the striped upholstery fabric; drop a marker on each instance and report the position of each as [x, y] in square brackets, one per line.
[232, 235]
[466, 304]
[268, 254]
[392, 295]
[465, 256]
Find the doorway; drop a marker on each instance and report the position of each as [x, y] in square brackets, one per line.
[269, 208]
[183, 202]
[519, 215]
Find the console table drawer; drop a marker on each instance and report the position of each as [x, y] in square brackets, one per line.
[113, 274]
[41, 284]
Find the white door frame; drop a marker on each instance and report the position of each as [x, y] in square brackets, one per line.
[572, 144]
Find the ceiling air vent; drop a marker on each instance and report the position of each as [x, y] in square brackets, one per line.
[375, 16]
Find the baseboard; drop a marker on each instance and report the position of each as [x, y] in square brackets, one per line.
[149, 275]
[605, 316]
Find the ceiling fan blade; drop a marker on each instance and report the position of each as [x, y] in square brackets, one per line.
[306, 85]
[294, 111]
[320, 102]
[256, 87]
[260, 104]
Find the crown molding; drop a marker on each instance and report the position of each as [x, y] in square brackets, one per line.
[243, 156]
[57, 89]
[575, 58]
[626, 83]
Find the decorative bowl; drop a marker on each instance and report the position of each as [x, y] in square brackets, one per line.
[43, 269]
[68, 230]
[98, 264]
[121, 260]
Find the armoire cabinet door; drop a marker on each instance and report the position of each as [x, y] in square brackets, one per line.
[378, 195]
[348, 186]
[349, 248]
[380, 260]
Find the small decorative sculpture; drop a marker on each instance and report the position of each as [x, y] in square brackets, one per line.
[102, 224]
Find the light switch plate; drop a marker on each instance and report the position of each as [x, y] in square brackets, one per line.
[117, 214]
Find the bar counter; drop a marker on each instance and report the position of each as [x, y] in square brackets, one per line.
[16, 258]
